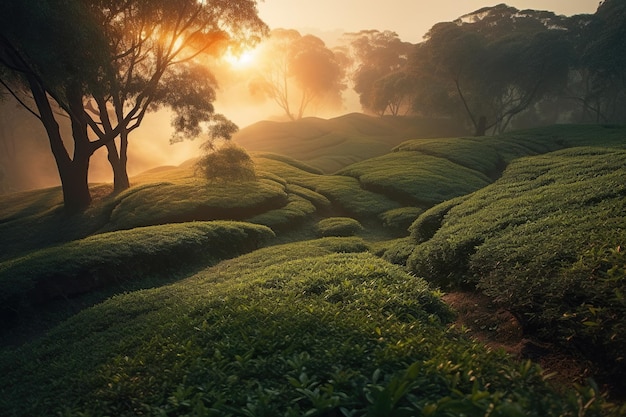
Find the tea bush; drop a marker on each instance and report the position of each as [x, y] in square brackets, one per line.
[228, 163]
[400, 219]
[105, 259]
[288, 331]
[518, 240]
[338, 226]
[415, 178]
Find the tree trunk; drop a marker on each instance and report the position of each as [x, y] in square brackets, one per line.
[76, 184]
[73, 173]
[120, 175]
[481, 127]
[74, 181]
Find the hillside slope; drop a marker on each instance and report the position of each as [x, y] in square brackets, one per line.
[332, 144]
[534, 219]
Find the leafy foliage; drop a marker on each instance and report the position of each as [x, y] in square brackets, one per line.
[280, 332]
[135, 57]
[338, 226]
[329, 145]
[409, 177]
[515, 238]
[320, 327]
[290, 215]
[400, 219]
[228, 163]
[101, 260]
[378, 57]
[293, 62]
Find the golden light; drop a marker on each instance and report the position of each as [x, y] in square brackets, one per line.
[240, 60]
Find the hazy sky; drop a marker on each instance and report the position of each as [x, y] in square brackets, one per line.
[409, 18]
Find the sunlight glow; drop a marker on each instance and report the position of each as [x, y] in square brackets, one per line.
[240, 60]
[178, 43]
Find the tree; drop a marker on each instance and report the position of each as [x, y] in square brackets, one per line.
[155, 45]
[393, 94]
[495, 62]
[56, 77]
[599, 83]
[290, 61]
[378, 58]
[113, 64]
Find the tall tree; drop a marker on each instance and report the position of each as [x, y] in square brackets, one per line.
[297, 71]
[392, 94]
[156, 45]
[377, 55]
[116, 62]
[495, 62]
[55, 63]
[600, 85]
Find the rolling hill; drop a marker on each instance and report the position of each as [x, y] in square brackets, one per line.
[332, 144]
[308, 293]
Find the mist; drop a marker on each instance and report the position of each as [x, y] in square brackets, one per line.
[26, 162]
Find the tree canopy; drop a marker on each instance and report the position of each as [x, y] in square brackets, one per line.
[499, 67]
[297, 71]
[601, 80]
[378, 58]
[493, 63]
[115, 62]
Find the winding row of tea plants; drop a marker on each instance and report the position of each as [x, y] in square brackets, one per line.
[131, 308]
[310, 328]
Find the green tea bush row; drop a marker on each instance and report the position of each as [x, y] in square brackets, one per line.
[288, 331]
[338, 226]
[101, 260]
[194, 200]
[399, 220]
[521, 241]
[289, 216]
[416, 178]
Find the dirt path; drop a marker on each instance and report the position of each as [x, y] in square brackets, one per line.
[499, 329]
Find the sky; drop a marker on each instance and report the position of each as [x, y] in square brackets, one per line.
[410, 19]
[327, 19]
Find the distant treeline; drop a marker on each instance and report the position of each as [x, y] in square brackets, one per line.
[500, 67]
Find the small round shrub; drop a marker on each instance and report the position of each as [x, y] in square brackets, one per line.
[228, 163]
[338, 226]
[401, 218]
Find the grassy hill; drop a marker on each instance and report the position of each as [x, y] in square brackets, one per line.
[330, 145]
[304, 293]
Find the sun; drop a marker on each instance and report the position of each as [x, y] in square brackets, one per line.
[240, 60]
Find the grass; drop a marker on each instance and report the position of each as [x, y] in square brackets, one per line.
[290, 330]
[519, 239]
[99, 261]
[416, 179]
[332, 326]
[329, 145]
[338, 226]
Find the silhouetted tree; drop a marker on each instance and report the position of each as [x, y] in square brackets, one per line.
[56, 64]
[494, 63]
[109, 67]
[377, 59]
[599, 82]
[392, 94]
[155, 47]
[292, 62]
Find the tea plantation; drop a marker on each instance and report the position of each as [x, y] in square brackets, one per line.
[305, 293]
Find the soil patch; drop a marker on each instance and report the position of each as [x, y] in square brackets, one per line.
[499, 329]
